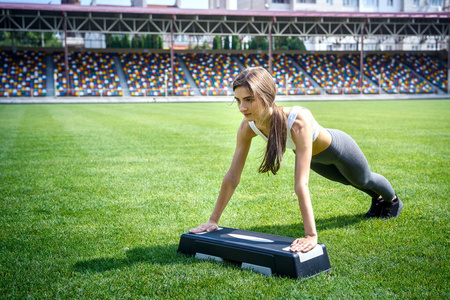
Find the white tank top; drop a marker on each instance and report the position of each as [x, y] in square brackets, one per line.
[290, 121]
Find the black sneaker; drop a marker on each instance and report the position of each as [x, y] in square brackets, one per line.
[391, 209]
[375, 208]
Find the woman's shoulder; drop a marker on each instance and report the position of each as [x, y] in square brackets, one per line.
[246, 129]
[296, 112]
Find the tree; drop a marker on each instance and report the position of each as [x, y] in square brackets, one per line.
[226, 43]
[116, 42]
[27, 38]
[258, 43]
[235, 42]
[288, 43]
[217, 43]
[148, 41]
[125, 41]
[295, 43]
[136, 42]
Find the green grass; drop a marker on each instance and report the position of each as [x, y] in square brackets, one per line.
[94, 198]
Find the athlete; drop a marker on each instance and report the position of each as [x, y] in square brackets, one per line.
[329, 152]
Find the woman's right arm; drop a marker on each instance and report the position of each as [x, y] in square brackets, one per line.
[231, 179]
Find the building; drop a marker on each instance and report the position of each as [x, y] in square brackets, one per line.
[350, 43]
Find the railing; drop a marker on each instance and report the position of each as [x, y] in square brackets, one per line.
[162, 92]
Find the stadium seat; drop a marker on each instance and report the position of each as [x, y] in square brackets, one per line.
[23, 73]
[332, 73]
[149, 74]
[428, 66]
[391, 75]
[90, 73]
[290, 80]
[213, 73]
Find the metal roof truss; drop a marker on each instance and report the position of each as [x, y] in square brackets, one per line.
[125, 23]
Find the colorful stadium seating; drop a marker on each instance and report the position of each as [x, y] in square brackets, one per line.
[333, 74]
[430, 67]
[290, 80]
[390, 75]
[149, 74]
[90, 73]
[22, 73]
[213, 73]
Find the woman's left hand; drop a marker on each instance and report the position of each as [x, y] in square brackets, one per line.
[304, 244]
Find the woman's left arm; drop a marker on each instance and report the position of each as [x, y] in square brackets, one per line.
[302, 136]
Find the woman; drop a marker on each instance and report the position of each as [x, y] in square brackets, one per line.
[331, 153]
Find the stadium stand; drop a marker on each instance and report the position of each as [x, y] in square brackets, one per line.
[290, 79]
[91, 74]
[333, 74]
[428, 66]
[390, 75]
[213, 73]
[146, 74]
[22, 73]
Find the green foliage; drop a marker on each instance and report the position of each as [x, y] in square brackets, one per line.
[94, 199]
[125, 41]
[146, 41]
[29, 38]
[157, 42]
[136, 42]
[289, 43]
[235, 42]
[217, 43]
[258, 43]
[226, 43]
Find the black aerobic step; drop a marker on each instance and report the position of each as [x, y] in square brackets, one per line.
[265, 253]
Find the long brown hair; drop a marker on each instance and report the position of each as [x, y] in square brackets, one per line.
[262, 86]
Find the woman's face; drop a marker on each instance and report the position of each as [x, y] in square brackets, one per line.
[251, 107]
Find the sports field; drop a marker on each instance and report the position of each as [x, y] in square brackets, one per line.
[94, 198]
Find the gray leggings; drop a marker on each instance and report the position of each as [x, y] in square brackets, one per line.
[344, 162]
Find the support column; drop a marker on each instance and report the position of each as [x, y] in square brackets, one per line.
[361, 60]
[270, 46]
[66, 52]
[448, 66]
[172, 76]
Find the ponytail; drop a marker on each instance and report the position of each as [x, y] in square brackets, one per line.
[276, 143]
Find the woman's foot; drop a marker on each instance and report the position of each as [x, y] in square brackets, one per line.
[375, 208]
[391, 209]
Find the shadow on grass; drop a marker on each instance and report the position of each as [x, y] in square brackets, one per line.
[168, 254]
[152, 255]
[293, 230]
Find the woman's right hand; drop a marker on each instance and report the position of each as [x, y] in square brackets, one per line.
[206, 227]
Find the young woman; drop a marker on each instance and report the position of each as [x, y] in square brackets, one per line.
[329, 152]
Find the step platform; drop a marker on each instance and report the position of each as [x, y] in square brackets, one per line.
[264, 253]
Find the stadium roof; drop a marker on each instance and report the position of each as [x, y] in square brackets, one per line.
[151, 20]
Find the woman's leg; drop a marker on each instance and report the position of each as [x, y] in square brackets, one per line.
[344, 162]
[331, 172]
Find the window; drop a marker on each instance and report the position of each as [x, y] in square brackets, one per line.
[281, 1]
[350, 47]
[330, 2]
[372, 3]
[350, 2]
[416, 3]
[435, 2]
[390, 3]
[306, 1]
